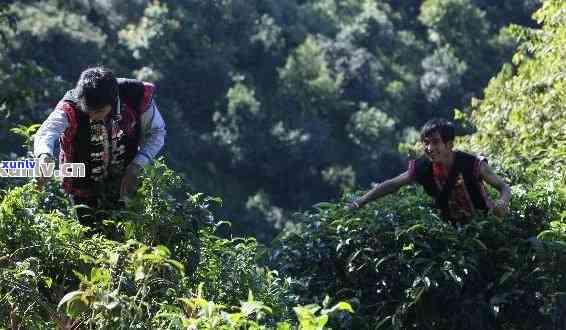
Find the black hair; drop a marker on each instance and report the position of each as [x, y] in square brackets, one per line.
[441, 126]
[96, 88]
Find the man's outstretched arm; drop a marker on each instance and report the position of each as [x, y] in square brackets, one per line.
[382, 189]
[501, 206]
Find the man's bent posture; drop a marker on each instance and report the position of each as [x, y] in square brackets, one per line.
[113, 127]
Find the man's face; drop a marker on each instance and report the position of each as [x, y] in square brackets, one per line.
[100, 113]
[435, 149]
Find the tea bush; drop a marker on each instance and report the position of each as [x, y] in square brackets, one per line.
[156, 264]
[402, 267]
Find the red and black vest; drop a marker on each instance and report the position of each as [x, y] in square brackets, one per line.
[121, 127]
[465, 166]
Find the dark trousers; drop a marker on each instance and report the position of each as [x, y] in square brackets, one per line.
[91, 212]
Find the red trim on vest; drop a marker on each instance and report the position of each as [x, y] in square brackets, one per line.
[148, 89]
[66, 145]
[69, 110]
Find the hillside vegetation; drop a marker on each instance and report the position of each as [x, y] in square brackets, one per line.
[169, 261]
[402, 267]
[271, 105]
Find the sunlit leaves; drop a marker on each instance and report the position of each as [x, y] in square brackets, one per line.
[521, 119]
[50, 271]
[399, 255]
[369, 127]
[308, 78]
[449, 19]
[443, 73]
[153, 27]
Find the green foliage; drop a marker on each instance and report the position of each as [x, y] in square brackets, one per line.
[466, 44]
[260, 90]
[203, 314]
[443, 71]
[261, 204]
[369, 128]
[520, 122]
[521, 119]
[26, 132]
[309, 80]
[64, 32]
[402, 267]
[284, 103]
[234, 129]
[343, 177]
[455, 22]
[308, 318]
[56, 273]
[151, 29]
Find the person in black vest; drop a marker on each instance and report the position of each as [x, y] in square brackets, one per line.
[113, 126]
[454, 179]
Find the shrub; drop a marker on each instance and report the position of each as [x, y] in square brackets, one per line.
[158, 264]
[403, 267]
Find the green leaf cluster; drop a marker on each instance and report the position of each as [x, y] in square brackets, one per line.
[401, 266]
[157, 264]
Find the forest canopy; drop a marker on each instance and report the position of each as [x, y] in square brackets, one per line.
[278, 105]
[281, 112]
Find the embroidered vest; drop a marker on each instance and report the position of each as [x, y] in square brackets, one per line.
[105, 147]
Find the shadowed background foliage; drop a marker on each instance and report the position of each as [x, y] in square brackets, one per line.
[275, 106]
[272, 105]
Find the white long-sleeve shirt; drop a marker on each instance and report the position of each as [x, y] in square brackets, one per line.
[152, 131]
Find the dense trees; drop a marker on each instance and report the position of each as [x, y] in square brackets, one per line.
[295, 100]
[523, 107]
[402, 267]
[274, 106]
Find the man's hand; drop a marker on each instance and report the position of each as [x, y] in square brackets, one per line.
[130, 180]
[41, 180]
[500, 208]
[353, 205]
